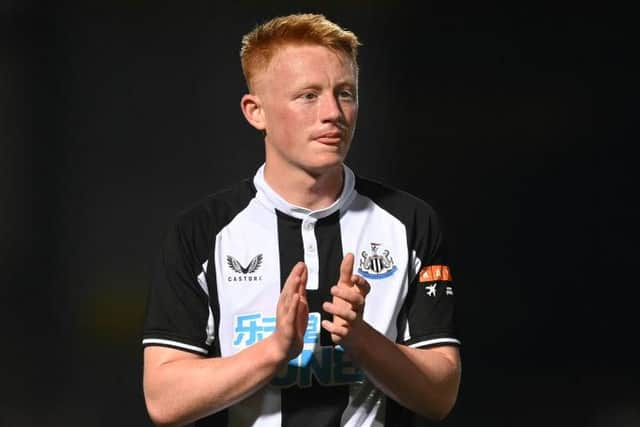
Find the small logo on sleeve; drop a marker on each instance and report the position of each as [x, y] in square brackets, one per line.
[434, 273]
[431, 289]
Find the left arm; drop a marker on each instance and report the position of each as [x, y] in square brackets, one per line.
[423, 380]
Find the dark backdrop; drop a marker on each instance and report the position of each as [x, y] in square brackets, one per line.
[513, 120]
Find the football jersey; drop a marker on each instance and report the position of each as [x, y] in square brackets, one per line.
[224, 261]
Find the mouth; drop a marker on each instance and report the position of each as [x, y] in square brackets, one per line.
[330, 138]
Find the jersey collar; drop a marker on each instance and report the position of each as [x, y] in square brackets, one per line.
[272, 200]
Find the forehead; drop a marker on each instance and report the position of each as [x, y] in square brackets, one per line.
[293, 62]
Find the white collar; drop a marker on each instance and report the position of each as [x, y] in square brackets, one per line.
[268, 197]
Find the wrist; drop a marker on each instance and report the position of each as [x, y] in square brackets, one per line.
[274, 351]
[358, 340]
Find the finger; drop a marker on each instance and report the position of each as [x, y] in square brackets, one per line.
[303, 282]
[291, 309]
[345, 313]
[293, 280]
[303, 307]
[334, 329]
[335, 338]
[285, 301]
[362, 284]
[349, 295]
[346, 268]
[302, 317]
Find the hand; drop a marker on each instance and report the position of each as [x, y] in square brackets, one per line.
[292, 313]
[347, 304]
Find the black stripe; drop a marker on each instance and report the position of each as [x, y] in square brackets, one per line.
[330, 256]
[289, 244]
[315, 405]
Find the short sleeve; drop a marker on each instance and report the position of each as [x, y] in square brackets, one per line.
[178, 312]
[430, 304]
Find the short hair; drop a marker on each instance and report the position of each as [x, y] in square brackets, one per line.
[260, 45]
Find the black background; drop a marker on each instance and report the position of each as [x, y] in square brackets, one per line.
[514, 120]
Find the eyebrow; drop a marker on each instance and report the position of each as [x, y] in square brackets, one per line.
[305, 84]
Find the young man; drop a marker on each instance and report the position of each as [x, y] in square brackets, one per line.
[260, 314]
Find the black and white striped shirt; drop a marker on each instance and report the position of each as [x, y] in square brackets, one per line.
[223, 263]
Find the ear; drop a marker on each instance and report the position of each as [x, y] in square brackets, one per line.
[252, 109]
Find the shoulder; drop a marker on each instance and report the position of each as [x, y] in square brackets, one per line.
[398, 202]
[423, 226]
[216, 209]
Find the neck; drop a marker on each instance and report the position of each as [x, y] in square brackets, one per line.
[304, 189]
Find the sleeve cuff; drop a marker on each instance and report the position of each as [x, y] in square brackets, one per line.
[163, 342]
[430, 342]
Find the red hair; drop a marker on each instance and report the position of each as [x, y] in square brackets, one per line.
[260, 45]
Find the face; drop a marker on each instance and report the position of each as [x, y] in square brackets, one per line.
[309, 105]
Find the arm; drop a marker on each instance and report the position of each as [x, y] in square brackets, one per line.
[181, 387]
[423, 380]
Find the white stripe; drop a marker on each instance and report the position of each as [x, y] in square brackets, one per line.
[175, 344]
[202, 281]
[416, 262]
[310, 245]
[435, 341]
[366, 407]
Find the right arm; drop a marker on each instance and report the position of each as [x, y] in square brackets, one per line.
[181, 387]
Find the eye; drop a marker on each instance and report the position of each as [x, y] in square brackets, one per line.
[346, 94]
[309, 96]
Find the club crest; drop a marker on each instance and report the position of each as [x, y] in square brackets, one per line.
[376, 265]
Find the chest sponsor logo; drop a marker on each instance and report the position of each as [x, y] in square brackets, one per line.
[329, 365]
[377, 265]
[244, 274]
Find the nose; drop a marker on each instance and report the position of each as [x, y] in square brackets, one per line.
[330, 109]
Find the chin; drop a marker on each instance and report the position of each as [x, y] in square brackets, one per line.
[328, 157]
[321, 168]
